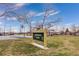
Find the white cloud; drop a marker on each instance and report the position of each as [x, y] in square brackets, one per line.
[11, 18]
[18, 5]
[13, 6]
[14, 29]
[1, 18]
[51, 12]
[33, 22]
[14, 18]
[31, 13]
[1, 23]
[1, 13]
[57, 12]
[39, 14]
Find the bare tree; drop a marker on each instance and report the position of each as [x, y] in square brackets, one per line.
[74, 29]
[29, 19]
[49, 11]
[2, 15]
[10, 14]
[21, 20]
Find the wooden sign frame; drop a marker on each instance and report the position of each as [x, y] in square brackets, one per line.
[45, 36]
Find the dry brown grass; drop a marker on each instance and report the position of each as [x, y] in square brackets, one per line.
[58, 45]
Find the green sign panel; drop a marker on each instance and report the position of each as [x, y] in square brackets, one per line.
[38, 36]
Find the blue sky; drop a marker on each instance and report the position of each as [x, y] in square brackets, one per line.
[69, 12]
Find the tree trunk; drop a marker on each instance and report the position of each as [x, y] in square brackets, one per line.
[30, 29]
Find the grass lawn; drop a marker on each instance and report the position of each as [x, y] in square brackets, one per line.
[59, 45]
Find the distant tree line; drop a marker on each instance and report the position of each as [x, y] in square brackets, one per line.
[74, 30]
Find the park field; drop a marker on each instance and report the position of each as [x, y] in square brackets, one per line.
[59, 45]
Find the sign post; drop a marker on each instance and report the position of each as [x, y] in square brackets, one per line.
[45, 39]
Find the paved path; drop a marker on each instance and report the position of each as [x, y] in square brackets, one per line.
[10, 37]
[21, 36]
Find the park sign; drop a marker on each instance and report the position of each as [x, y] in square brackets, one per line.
[40, 35]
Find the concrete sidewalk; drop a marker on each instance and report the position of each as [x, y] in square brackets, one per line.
[10, 37]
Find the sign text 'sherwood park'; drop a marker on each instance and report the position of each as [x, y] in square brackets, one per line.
[38, 36]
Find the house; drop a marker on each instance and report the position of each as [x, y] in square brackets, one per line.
[67, 32]
[51, 32]
[77, 33]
